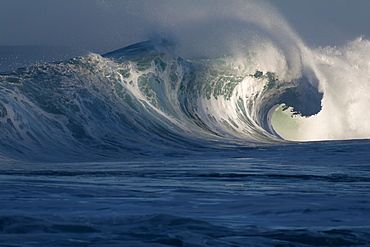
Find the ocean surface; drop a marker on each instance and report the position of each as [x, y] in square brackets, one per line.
[142, 146]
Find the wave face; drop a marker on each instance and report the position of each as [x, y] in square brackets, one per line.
[141, 99]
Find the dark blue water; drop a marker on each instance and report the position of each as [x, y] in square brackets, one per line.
[312, 194]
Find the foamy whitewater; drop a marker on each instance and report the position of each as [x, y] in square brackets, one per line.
[207, 142]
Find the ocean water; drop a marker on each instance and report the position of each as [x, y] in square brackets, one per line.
[265, 143]
[312, 194]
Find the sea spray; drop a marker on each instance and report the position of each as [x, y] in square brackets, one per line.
[344, 78]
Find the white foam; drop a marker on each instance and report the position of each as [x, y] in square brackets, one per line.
[342, 74]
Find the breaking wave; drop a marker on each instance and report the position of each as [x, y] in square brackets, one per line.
[227, 88]
[143, 98]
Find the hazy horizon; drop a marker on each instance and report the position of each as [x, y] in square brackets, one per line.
[100, 26]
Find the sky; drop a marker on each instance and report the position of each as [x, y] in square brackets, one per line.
[104, 25]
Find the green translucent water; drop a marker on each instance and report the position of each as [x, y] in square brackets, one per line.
[285, 123]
